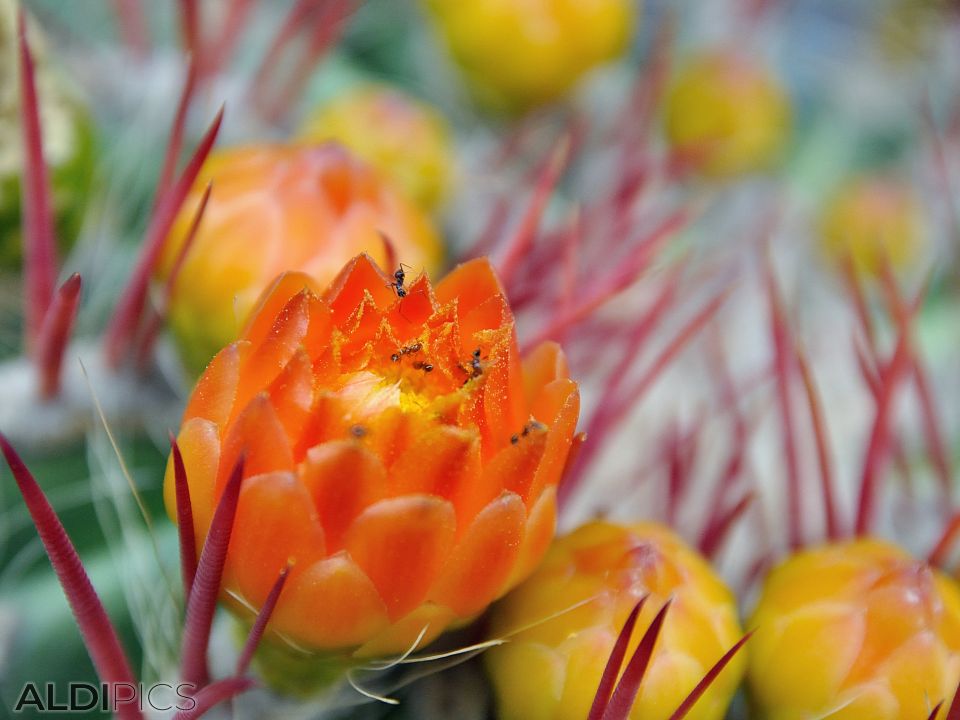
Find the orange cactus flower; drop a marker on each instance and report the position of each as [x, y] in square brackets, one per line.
[589, 581]
[398, 452]
[276, 208]
[855, 630]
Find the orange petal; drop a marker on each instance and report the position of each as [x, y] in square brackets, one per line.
[214, 395]
[360, 329]
[360, 275]
[272, 301]
[275, 524]
[343, 478]
[258, 434]
[477, 570]
[327, 421]
[470, 413]
[503, 403]
[469, 284]
[544, 364]
[492, 314]
[560, 401]
[199, 442]
[265, 362]
[400, 637]
[437, 462]
[395, 431]
[541, 526]
[515, 466]
[411, 312]
[291, 394]
[326, 361]
[401, 543]
[320, 327]
[331, 604]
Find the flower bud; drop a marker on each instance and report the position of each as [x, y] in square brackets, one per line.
[589, 582]
[406, 140]
[278, 208]
[518, 55]
[726, 115]
[855, 630]
[873, 220]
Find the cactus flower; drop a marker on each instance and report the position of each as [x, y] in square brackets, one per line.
[551, 670]
[855, 630]
[273, 209]
[398, 453]
[518, 55]
[727, 114]
[873, 220]
[406, 140]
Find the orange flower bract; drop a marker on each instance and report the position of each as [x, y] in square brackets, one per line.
[398, 453]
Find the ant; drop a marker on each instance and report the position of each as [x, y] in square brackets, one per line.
[472, 367]
[475, 366]
[406, 350]
[426, 367]
[399, 277]
[532, 425]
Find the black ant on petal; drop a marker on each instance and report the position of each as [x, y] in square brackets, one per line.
[532, 425]
[406, 350]
[473, 366]
[399, 278]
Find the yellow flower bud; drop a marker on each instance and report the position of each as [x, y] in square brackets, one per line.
[551, 670]
[727, 114]
[279, 208]
[518, 55]
[872, 220]
[855, 630]
[404, 139]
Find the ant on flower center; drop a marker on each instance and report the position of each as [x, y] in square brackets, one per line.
[473, 367]
[406, 350]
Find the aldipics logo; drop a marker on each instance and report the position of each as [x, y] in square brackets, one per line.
[105, 697]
